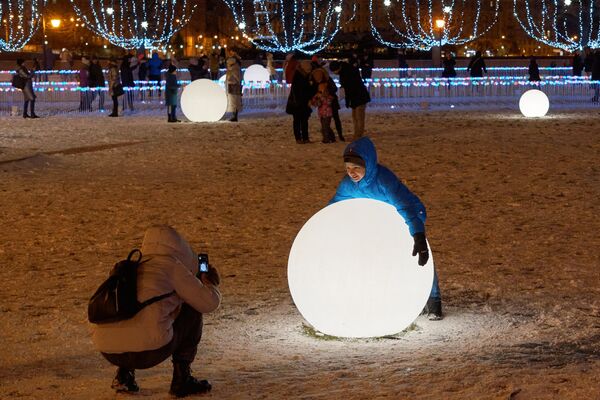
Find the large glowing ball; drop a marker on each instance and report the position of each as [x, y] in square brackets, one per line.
[352, 274]
[203, 101]
[534, 103]
[257, 74]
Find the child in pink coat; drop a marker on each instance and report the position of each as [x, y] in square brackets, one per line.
[323, 101]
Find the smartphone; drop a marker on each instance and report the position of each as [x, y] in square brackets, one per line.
[203, 262]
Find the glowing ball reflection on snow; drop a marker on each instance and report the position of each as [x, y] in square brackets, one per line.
[257, 73]
[351, 271]
[203, 101]
[534, 103]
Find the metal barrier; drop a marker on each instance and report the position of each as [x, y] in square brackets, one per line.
[67, 97]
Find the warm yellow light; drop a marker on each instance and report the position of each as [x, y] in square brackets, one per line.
[440, 23]
[55, 23]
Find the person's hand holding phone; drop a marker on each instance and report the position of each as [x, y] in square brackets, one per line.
[206, 273]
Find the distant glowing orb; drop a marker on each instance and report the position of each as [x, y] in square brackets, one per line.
[257, 74]
[534, 103]
[203, 101]
[351, 271]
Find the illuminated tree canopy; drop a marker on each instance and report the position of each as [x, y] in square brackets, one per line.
[566, 24]
[290, 25]
[135, 24]
[19, 19]
[412, 23]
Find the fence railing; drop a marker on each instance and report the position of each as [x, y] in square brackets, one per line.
[67, 97]
[183, 74]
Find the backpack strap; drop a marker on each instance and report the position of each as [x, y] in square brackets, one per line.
[155, 299]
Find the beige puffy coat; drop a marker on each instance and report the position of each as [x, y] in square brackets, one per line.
[171, 265]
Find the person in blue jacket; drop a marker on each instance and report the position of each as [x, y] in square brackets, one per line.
[367, 179]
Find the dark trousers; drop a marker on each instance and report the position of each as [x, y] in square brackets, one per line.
[337, 121]
[115, 100]
[30, 104]
[172, 111]
[326, 130]
[128, 98]
[301, 126]
[187, 331]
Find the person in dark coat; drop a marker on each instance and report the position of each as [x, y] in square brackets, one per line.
[402, 65]
[366, 66]
[366, 178]
[301, 92]
[195, 69]
[588, 61]
[171, 90]
[577, 64]
[356, 94]
[534, 70]
[596, 76]
[449, 64]
[127, 80]
[477, 66]
[97, 82]
[28, 93]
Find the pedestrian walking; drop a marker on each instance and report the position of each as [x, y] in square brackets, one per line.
[97, 83]
[171, 91]
[297, 105]
[127, 81]
[534, 70]
[233, 80]
[355, 93]
[477, 66]
[115, 89]
[84, 85]
[26, 76]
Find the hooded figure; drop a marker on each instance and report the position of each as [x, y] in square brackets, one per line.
[169, 327]
[379, 183]
[154, 67]
[366, 178]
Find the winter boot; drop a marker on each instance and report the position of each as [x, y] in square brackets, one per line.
[433, 309]
[235, 117]
[184, 383]
[124, 382]
[341, 137]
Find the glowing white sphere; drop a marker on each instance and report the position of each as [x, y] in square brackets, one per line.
[351, 271]
[203, 101]
[534, 103]
[258, 74]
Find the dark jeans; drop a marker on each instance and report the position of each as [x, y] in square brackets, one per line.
[172, 111]
[187, 331]
[338, 121]
[326, 130]
[115, 100]
[301, 126]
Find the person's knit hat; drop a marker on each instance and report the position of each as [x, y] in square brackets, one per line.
[351, 156]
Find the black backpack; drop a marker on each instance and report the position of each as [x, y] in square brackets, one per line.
[116, 298]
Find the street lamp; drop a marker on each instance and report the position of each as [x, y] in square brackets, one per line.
[440, 24]
[55, 22]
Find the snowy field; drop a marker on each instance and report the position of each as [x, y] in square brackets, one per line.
[513, 209]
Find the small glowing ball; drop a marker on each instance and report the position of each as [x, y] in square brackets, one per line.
[351, 271]
[203, 101]
[258, 74]
[534, 103]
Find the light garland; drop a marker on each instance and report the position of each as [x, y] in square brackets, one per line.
[567, 25]
[134, 24]
[412, 23]
[19, 19]
[290, 25]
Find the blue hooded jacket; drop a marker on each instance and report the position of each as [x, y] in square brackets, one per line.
[155, 65]
[379, 183]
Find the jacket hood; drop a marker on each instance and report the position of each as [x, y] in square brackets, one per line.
[163, 240]
[365, 149]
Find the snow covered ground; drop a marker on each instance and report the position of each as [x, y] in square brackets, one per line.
[513, 222]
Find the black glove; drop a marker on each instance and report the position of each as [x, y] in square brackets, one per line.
[420, 248]
[212, 276]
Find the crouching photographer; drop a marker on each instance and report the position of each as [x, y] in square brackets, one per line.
[172, 288]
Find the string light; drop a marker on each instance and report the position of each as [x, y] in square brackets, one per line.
[134, 24]
[19, 19]
[562, 24]
[411, 23]
[286, 26]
